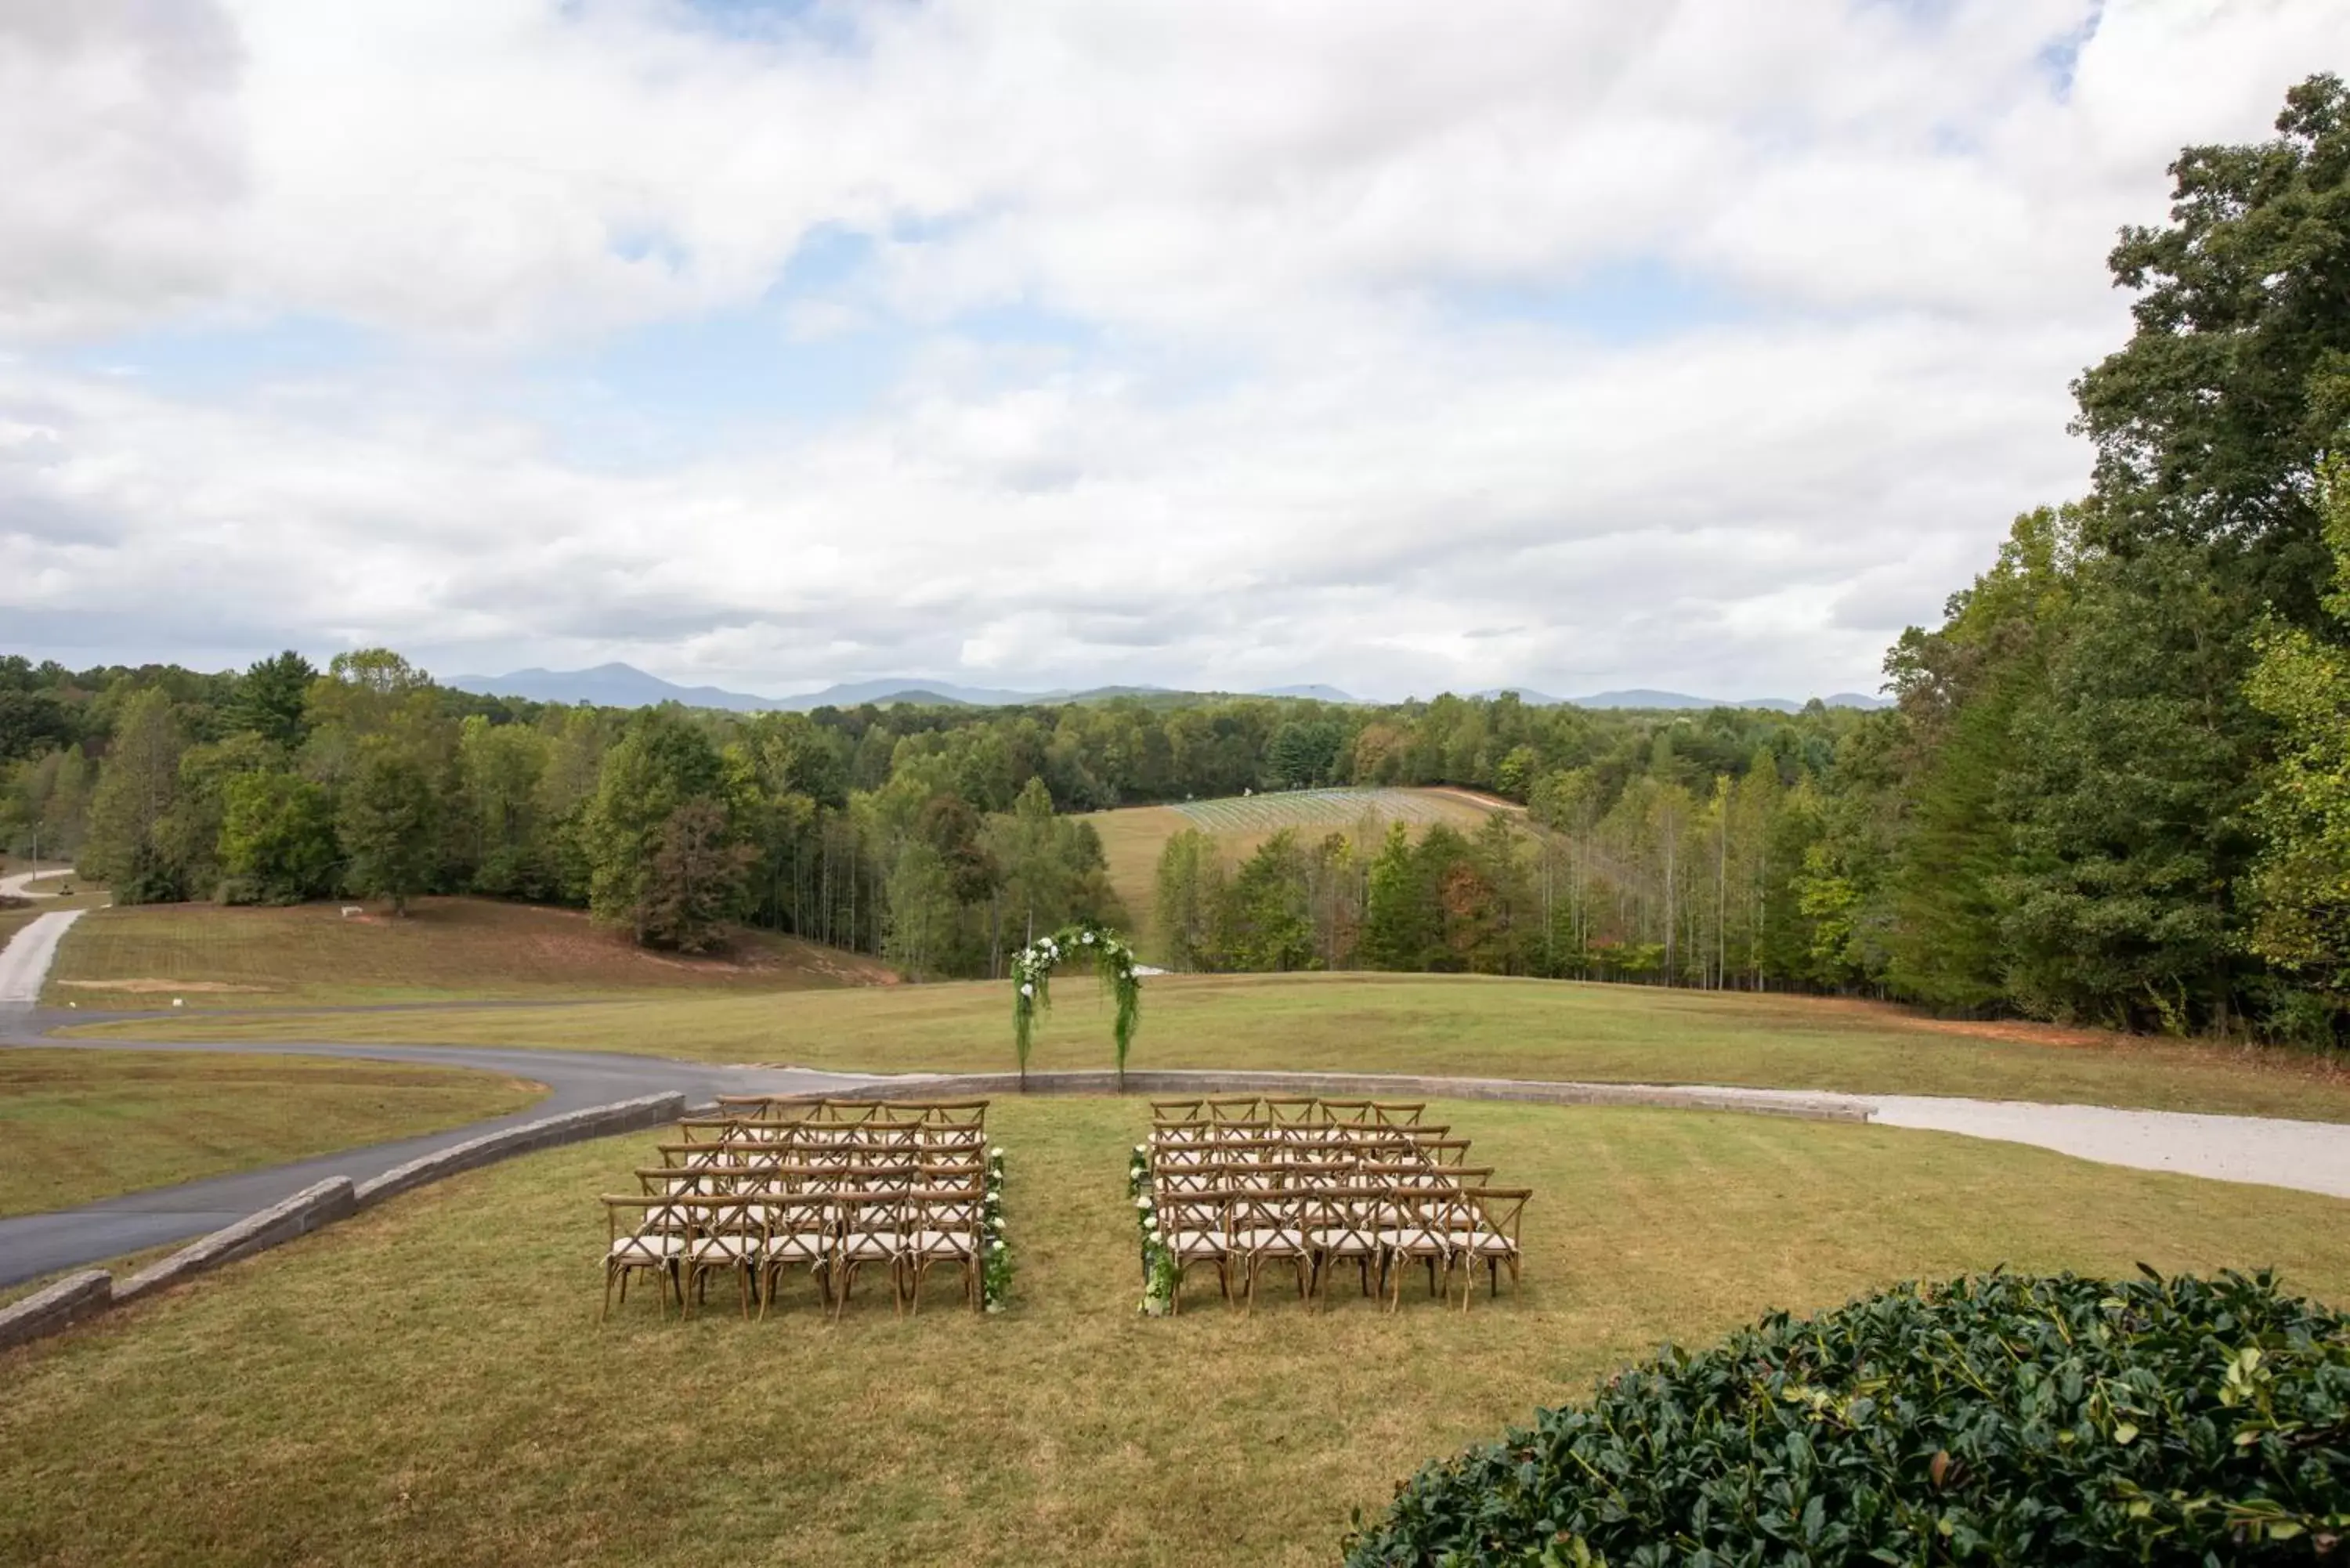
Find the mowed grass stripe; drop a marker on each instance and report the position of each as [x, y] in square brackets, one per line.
[428, 1381]
[1465, 1025]
[80, 1126]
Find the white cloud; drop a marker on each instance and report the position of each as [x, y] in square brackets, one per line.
[1293, 439]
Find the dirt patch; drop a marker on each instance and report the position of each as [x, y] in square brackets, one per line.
[1478, 798]
[159, 987]
[2015, 1030]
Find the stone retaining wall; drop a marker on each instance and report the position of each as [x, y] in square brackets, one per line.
[306, 1211]
[71, 1299]
[597, 1121]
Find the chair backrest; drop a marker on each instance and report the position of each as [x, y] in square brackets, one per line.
[1194, 1213]
[1346, 1113]
[636, 1214]
[1224, 1112]
[1179, 1111]
[1262, 1216]
[871, 1213]
[1496, 1210]
[1389, 1114]
[1294, 1111]
[741, 1220]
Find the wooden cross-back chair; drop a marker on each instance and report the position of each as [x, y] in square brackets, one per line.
[871, 1231]
[724, 1235]
[941, 1228]
[800, 1227]
[1267, 1226]
[1489, 1218]
[1196, 1228]
[1340, 1228]
[643, 1234]
[1418, 1223]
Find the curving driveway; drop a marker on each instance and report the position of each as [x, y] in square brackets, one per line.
[36, 1244]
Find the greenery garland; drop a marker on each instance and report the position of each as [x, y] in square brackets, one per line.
[1032, 972]
[995, 1263]
[1159, 1265]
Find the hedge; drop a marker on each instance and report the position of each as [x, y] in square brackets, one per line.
[1998, 1418]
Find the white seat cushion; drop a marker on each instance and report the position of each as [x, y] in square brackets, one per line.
[939, 1244]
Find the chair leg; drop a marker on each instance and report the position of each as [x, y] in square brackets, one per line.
[607, 1313]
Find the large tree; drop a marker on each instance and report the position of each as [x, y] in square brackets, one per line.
[271, 696]
[2210, 422]
[2301, 883]
[137, 789]
[390, 824]
[662, 762]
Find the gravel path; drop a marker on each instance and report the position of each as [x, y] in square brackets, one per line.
[24, 961]
[2312, 1156]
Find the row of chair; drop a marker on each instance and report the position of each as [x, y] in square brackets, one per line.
[830, 1185]
[1294, 1110]
[1240, 1184]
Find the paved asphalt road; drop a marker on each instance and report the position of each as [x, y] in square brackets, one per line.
[36, 1244]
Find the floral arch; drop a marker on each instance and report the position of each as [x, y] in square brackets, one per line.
[1031, 973]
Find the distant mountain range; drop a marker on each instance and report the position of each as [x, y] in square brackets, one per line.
[626, 685]
[1641, 697]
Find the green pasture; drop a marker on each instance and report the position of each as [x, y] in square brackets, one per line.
[1453, 1024]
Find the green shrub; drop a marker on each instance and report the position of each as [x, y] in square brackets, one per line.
[1996, 1419]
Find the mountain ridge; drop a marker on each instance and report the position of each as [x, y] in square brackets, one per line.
[619, 685]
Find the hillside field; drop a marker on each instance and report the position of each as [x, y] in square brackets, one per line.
[428, 1382]
[1470, 1025]
[207, 956]
[1132, 836]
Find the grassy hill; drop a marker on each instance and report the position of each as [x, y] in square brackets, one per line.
[1132, 836]
[446, 948]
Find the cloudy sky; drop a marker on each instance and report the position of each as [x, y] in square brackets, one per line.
[1398, 345]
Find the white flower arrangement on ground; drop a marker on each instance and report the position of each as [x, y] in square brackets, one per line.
[1159, 1271]
[996, 1260]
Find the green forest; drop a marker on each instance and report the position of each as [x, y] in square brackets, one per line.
[2115, 787]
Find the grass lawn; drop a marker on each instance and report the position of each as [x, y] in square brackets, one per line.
[1132, 836]
[209, 956]
[78, 1126]
[428, 1382]
[1422, 1024]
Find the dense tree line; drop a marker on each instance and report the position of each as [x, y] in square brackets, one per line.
[940, 837]
[2115, 786]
